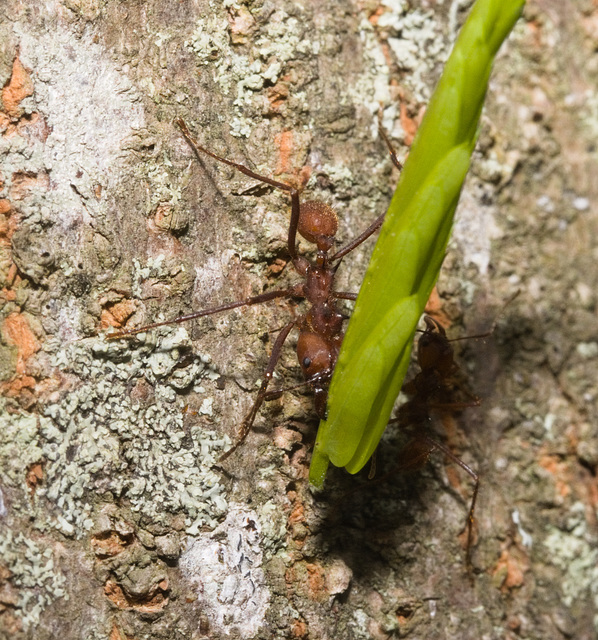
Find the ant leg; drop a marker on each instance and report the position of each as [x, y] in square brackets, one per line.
[264, 297]
[250, 417]
[274, 395]
[373, 464]
[294, 193]
[318, 377]
[343, 295]
[434, 444]
[456, 406]
[362, 237]
[378, 221]
[477, 336]
[393, 155]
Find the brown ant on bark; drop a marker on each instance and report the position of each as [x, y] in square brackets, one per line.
[321, 327]
[433, 390]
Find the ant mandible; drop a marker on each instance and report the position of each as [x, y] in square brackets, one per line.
[321, 327]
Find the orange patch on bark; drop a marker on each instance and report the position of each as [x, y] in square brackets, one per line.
[278, 94]
[8, 222]
[11, 276]
[155, 600]
[4, 122]
[409, 124]
[375, 17]
[35, 476]
[117, 314]
[23, 183]
[511, 567]
[17, 332]
[284, 142]
[299, 630]
[316, 581]
[16, 89]
[12, 280]
[110, 544]
[560, 472]
[297, 514]
[20, 386]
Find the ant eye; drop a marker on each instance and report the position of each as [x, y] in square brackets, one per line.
[306, 362]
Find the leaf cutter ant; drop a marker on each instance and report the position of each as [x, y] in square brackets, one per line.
[433, 390]
[321, 327]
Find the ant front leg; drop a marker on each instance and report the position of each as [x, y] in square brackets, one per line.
[262, 393]
[294, 193]
[362, 237]
[393, 154]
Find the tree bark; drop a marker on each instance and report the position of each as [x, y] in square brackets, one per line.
[114, 521]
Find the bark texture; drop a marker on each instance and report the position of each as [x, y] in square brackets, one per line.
[113, 522]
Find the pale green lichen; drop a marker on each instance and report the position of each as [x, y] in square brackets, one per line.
[164, 188]
[574, 552]
[360, 624]
[274, 527]
[282, 39]
[100, 437]
[19, 446]
[153, 268]
[34, 575]
[95, 440]
[418, 44]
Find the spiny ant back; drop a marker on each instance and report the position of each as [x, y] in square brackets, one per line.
[318, 223]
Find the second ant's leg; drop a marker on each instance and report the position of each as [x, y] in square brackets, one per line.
[434, 444]
[343, 295]
[456, 406]
[250, 417]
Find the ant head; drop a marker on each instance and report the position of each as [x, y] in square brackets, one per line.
[433, 349]
[314, 353]
[318, 224]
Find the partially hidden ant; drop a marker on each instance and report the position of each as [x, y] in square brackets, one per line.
[321, 327]
[433, 390]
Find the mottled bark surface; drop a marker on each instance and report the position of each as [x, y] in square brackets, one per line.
[113, 523]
